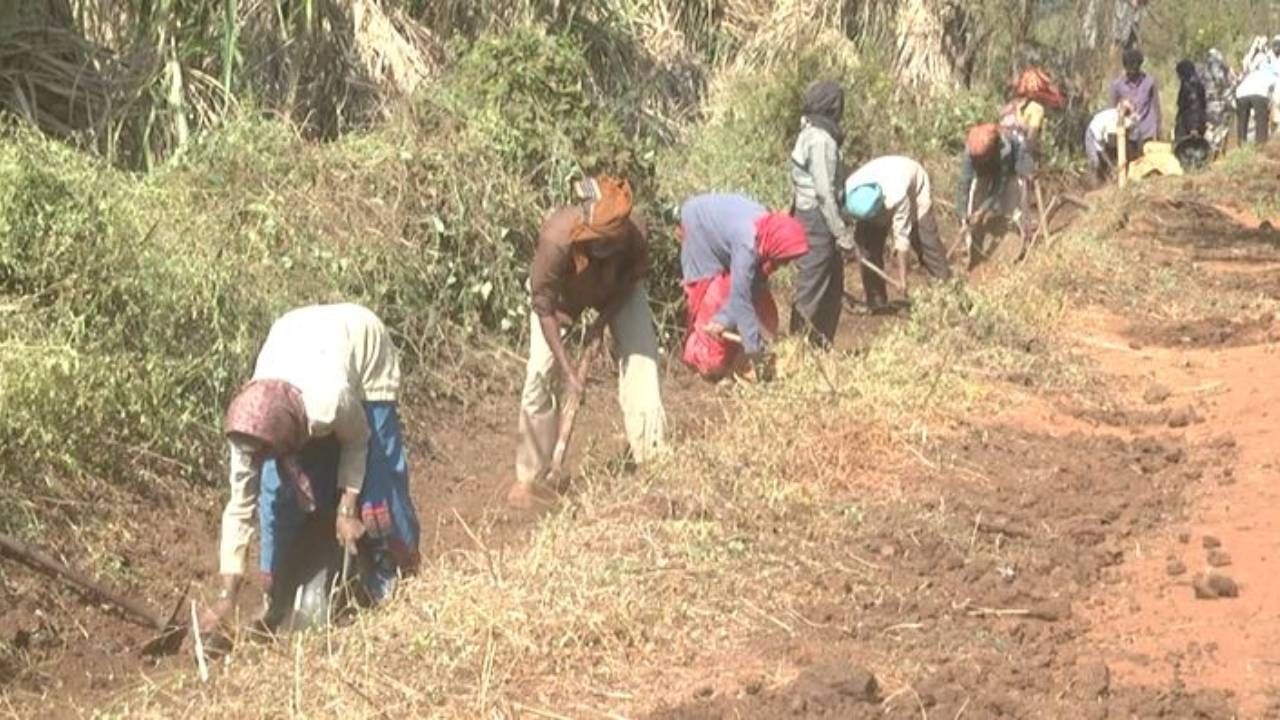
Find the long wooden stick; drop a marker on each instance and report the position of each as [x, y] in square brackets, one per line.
[1122, 147]
[41, 561]
[570, 413]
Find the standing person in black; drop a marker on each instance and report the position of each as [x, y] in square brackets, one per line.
[1193, 114]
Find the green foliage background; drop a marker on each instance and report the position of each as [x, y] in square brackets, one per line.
[131, 304]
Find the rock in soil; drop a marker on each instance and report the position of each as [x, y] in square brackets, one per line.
[1219, 558]
[1210, 542]
[1212, 586]
[1182, 418]
[1157, 394]
[1175, 568]
[1093, 680]
[1184, 537]
[859, 684]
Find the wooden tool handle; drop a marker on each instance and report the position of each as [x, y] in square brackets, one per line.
[570, 412]
[41, 561]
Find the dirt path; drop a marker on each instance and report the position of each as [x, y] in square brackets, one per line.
[1151, 624]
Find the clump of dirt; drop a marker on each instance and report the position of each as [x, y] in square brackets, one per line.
[1207, 332]
[827, 690]
[1213, 586]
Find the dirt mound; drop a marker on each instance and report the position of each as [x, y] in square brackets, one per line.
[1208, 332]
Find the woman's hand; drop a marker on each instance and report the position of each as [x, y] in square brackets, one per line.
[348, 527]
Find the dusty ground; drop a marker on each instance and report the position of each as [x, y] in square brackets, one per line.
[1037, 563]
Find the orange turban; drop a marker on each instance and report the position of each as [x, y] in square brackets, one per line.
[983, 140]
[607, 216]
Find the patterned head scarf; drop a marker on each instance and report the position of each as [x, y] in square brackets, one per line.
[607, 205]
[271, 412]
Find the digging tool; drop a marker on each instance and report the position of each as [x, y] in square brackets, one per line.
[883, 275]
[966, 231]
[171, 629]
[570, 413]
[1043, 229]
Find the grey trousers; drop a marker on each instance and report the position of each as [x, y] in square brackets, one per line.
[819, 283]
[645, 422]
[925, 241]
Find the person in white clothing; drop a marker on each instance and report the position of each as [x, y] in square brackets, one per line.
[1254, 96]
[314, 438]
[891, 195]
[1100, 143]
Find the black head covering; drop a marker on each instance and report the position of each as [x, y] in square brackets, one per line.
[824, 107]
[1132, 59]
[1186, 70]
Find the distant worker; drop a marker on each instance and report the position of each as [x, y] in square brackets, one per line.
[592, 255]
[891, 195]
[818, 296]
[1192, 118]
[315, 437]
[1100, 144]
[1138, 96]
[1257, 56]
[1253, 99]
[1128, 22]
[994, 176]
[730, 245]
[1033, 93]
[1219, 85]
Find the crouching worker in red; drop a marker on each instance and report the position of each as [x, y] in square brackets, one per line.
[730, 245]
[591, 255]
[316, 453]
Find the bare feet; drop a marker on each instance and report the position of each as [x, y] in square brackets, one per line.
[530, 496]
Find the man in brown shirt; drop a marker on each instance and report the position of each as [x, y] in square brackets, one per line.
[592, 255]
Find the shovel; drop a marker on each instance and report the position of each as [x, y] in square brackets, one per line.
[171, 629]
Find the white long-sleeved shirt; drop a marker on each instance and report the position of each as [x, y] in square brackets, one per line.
[1102, 126]
[1258, 83]
[907, 193]
[338, 356]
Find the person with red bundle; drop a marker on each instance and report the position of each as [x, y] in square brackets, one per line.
[1033, 94]
[730, 245]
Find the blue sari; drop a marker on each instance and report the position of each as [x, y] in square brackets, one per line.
[389, 547]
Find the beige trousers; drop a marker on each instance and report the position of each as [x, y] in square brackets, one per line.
[636, 346]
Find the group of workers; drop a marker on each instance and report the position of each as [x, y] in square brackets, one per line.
[1211, 95]
[314, 436]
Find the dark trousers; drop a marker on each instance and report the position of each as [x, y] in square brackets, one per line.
[925, 241]
[1260, 108]
[819, 283]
